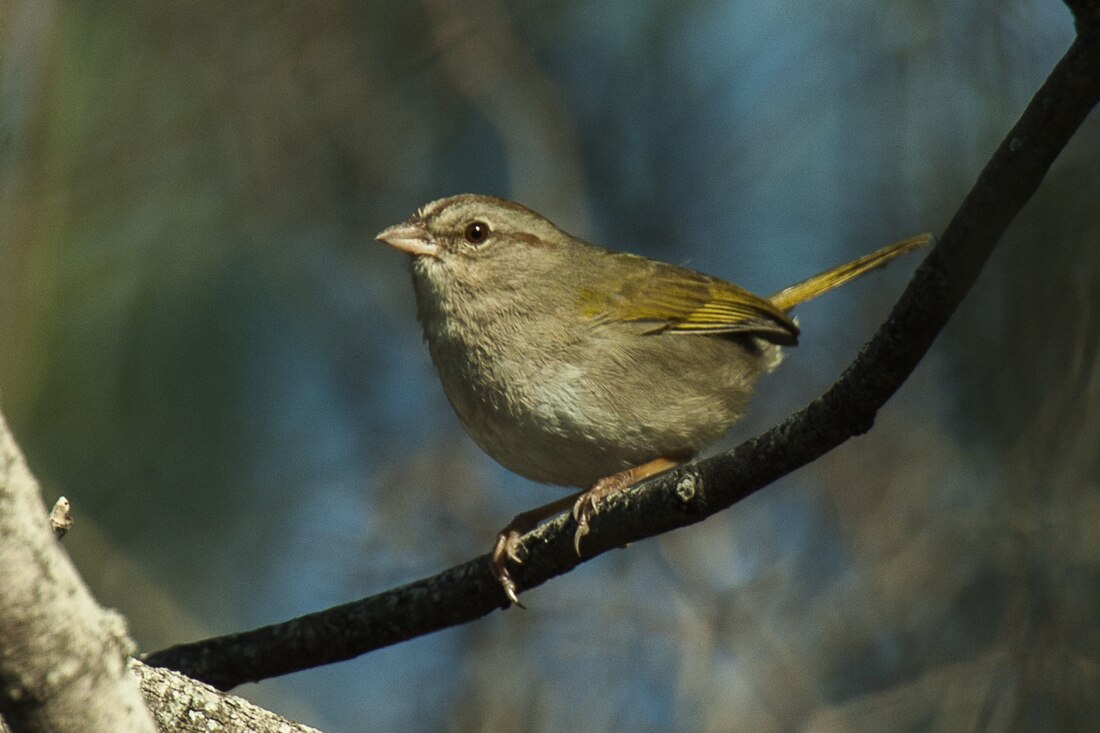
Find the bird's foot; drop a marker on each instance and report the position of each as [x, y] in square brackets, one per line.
[588, 503]
[508, 549]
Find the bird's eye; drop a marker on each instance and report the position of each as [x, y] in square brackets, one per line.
[476, 232]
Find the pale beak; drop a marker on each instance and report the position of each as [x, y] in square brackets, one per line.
[409, 238]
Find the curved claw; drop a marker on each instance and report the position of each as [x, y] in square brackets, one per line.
[582, 530]
[506, 548]
[509, 588]
[586, 506]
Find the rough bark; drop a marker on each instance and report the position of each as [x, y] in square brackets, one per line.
[181, 705]
[62, 656]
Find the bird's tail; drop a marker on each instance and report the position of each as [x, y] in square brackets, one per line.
[809, 289]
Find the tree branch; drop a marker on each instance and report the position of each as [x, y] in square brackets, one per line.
[468, 591]
[63, 659]
[181, 705]
[62, 656]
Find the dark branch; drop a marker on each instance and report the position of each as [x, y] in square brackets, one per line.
[467, 592]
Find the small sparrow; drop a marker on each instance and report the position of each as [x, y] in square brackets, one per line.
[575, 365]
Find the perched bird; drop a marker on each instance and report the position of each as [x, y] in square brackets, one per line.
[575, 365]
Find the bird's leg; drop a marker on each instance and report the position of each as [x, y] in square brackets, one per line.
[585, 504]
[588, 502]
[507, 544]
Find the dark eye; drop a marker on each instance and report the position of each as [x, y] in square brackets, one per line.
[476, 232]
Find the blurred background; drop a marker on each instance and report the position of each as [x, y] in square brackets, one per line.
[203, 347]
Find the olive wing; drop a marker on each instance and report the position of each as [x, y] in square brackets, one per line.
[676, 300]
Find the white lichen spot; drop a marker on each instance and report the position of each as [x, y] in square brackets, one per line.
[685, 488]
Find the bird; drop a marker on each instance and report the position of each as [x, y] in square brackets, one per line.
[576, 365]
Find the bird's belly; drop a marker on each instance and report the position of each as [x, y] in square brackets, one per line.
[557, 421]
[546, 429]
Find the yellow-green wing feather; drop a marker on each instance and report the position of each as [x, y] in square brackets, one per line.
[680, 301]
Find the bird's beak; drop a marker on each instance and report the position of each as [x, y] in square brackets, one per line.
[409, 238]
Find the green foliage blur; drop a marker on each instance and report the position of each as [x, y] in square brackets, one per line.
[202, 346]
